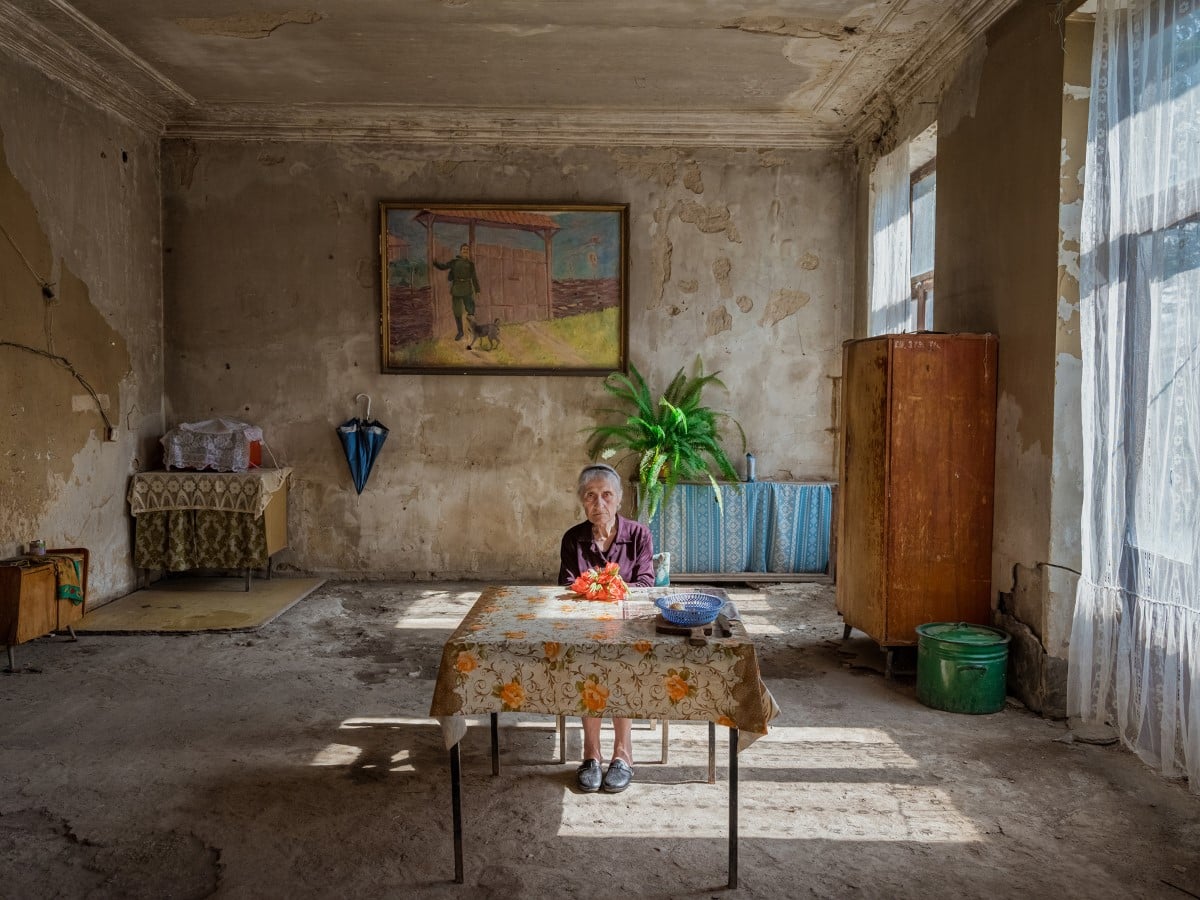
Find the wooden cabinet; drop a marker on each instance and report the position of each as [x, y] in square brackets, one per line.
[917, 470]
[29, 603]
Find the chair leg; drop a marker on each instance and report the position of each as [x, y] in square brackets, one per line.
[561, 727]
[666, 723]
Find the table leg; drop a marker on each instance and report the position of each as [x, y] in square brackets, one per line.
[562, 740]
[733, 807]
[712, 752]
[247, 579]
[666, 724]
[12, 659]
[456, 807]
[495, 743]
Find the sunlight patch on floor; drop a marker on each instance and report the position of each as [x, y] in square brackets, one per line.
[835, 811]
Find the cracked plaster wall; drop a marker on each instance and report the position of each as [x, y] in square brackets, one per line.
[272, 311]
[79, 197]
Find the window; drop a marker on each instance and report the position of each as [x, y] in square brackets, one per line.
[924, 193]
[903, 194]
[922, 200]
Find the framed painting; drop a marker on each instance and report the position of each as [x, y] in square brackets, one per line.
[504, 288]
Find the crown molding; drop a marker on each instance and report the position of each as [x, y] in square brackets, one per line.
[515, 126]
[91, 63]
[957, 29]
[68, 47]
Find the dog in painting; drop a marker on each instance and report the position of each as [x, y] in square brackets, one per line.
[484, 330]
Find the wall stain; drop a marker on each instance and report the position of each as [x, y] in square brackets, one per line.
[784, 303]
[809, 261]
[721, 268]
[692, 179]
[181, 158]
[689, 286]
[719, 320]
[660, 258]
[248, 26]
[745, 304]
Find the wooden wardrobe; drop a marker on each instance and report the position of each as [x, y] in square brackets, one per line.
[917, 466]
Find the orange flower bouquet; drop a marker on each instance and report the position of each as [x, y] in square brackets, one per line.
[602, 584]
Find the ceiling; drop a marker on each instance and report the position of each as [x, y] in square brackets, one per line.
[789, 73]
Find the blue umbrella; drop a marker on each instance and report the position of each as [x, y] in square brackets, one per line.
[361, 439]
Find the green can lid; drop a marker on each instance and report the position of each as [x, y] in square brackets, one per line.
[963, 633]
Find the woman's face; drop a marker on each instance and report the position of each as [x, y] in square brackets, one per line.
[601, 501]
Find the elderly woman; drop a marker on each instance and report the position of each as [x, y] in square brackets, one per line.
[606, 537]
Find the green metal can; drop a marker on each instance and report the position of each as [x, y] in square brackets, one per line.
[961, 668]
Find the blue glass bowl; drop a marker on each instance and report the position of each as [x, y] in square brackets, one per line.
[689, 609]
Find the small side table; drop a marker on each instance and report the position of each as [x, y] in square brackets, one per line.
[29, 603]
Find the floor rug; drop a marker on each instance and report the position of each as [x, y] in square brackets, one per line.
[183, 604]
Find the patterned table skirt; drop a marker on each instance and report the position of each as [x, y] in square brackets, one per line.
[200, 539]
[768, 526]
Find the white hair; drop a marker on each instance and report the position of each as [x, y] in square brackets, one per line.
[598, 472]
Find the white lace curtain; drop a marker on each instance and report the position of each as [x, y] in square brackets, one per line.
[1135, 640]
[891, 309]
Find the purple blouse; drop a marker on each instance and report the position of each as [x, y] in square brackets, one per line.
[631, 549]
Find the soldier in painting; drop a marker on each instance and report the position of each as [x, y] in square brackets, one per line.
[464, 285]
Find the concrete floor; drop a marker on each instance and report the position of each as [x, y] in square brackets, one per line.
[297, 761]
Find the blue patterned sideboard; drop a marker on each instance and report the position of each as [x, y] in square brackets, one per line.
[768, 526]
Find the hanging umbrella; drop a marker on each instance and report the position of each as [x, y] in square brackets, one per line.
[361, 439]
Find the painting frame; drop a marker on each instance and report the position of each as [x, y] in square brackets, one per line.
[504, 288]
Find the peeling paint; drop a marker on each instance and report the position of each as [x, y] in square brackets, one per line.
[719, 320]
[721, 268]
[51, 428]
[745, 304]
[1077, 92]
[692, 179]
[710, 219]
[689, 285]
[784, 303]
[1070, 223]
[810, 261]
[656, 165]
[249, 26]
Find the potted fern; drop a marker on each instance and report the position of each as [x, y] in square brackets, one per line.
[674, 436]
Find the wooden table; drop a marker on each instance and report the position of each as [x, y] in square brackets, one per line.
[544, 650]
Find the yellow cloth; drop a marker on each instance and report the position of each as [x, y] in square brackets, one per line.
[66, 576]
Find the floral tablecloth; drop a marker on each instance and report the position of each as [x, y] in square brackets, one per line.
[545, 650]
